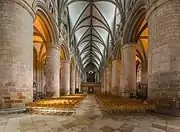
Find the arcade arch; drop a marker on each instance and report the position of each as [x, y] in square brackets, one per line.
[45, 43]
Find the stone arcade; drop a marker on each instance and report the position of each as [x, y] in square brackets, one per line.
[58, 49]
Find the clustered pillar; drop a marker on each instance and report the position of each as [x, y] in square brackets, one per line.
[16, 57]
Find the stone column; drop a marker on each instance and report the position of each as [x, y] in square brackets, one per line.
[128, 84]
[16, 55]
[65, 78]
[77, 79]
[164, 51]
[144, 75]
[105, 81]
[108, 76]
[97, 77]
[43, 78]
[102, 82]
[38, 76]
[73, 81]
[144, 80]
[52, 70]
[116, 65]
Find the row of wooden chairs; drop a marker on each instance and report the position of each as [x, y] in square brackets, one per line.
[118, 103]
[62, 102]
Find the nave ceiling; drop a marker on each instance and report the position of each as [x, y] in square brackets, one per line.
[92, 27]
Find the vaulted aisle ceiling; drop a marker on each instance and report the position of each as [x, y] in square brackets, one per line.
[92, 26]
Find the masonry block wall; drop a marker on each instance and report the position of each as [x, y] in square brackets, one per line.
[164, 49]
[16, 54]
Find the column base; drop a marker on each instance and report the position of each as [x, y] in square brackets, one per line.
[12, 110]
[64, 92]
[115, 90]
[50, 94]
[167, 100]
[67, 93]
[167, 105]
[166, 111]
[72, 93]
[14, 98]
[109, 92]
[128, 93]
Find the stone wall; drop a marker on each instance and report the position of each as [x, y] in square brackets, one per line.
[164, 47]
[16, 56]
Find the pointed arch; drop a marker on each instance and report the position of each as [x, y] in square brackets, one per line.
[109, 62]
[133, 20]
[41, 10]
[64, 52]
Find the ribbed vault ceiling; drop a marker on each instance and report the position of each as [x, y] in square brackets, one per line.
[92, 25]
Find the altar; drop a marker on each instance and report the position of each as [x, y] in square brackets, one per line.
[91, 87]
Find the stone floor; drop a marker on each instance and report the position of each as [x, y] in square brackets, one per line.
[88, 118]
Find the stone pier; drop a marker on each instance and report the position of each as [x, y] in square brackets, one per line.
[109, 79]
[16, 55]
[52, 70]
[65, 75]
[73, 81]
[164, 54]
[115, 85]
[128, 84]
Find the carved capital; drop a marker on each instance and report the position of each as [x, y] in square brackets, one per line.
[56, 46]
[130, 45]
